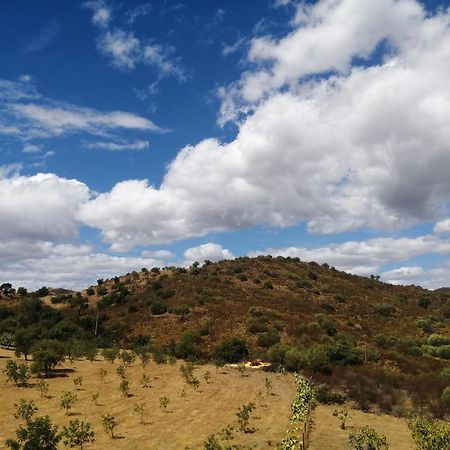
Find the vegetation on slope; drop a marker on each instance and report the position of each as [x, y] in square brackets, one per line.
[382, 346]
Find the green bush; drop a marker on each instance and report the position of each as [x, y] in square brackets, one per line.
[257, 326]
[436, 340]
[445, 397]
[266, 340]
[327, 397]
[430, 434]
[158, 308]
[367, 438]
[232, 350]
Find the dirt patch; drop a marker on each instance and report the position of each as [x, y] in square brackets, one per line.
[326, 433]
[189, 419]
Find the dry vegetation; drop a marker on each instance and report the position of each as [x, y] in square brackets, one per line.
[327, 434]
[188, 420]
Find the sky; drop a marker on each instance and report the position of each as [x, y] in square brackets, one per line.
[139, 134]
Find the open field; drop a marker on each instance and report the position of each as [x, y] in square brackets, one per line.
[326, 433]
[187, 423]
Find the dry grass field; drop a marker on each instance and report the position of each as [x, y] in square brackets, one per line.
[188, 420]
[326, 433]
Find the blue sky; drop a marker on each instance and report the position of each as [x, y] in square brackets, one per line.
[137, 134]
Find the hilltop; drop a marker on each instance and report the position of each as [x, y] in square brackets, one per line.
[381, 346]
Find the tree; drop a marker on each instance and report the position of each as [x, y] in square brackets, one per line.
[139, 408]
[109, 424]
[243, 416]
[17, 373]
[94, 397]
[124, 387]
[37, 434]
[47, 354]
[342, 415]
[6, 288]
[25, 410]
[67, 400]
[42, 386]
[77, 433]
[78, 382]
[110, 354]
[367, 438]
[164, 403]
[212, 443]
[232, 350]
[23, 340]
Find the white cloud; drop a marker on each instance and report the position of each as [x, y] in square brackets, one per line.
[204, 252]
[430, 278]
[117, 147]
[139, 11]
[159, 254]
[56, 119]
[42, 207]
[442, 227]
[367, 148]
[233, 48]
[126, 51]
[102, 14]
[367, 257]
[327, 36]
[123, 48]
[35, 264]
[31, 148]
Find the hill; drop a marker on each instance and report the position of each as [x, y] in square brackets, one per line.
[383, 347]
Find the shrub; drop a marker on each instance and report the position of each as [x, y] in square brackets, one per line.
[212, 443]
[267, 340]
[424, 302]
[158, 308]
[231, 350]
[243, 416]
[109, 424]
[430, 434]
[257, 326]
[187, 348]
[327, 397]
[276, 354]
[77, 433]
[17, 373]
[67, 401]
[445, 397]
[181, 310]
[436, 340]
[367, 438]
[38, 433]
[47, 354]
[385, 310]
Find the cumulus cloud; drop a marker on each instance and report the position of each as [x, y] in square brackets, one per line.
[430, 278]
[365, 146]
[366, 257]
[39, 263]
[159, 254]
[442, 227]
[43, 207]
[204, 252]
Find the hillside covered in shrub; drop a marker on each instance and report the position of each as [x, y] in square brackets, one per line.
[384, 347]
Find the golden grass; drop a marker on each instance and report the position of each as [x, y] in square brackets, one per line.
[326, 434]
[187, 423]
